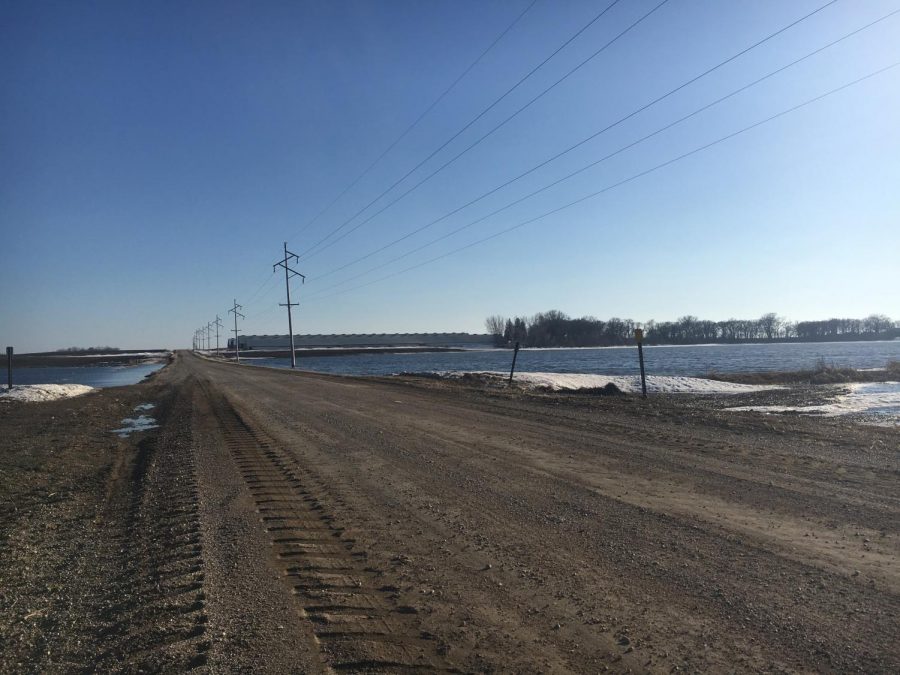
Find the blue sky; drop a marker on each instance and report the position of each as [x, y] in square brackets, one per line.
[154, 157]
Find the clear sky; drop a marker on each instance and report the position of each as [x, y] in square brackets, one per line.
[155, 155]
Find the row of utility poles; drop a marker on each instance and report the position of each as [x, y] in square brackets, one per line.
[203, 335]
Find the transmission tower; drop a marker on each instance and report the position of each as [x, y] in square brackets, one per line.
[288, 273]
[218, 324]
[234, 310]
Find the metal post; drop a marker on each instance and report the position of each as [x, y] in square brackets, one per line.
[237, 337]
[515, 354]
[639, 336]
[9, 355]
[288, 273]
[208, 335]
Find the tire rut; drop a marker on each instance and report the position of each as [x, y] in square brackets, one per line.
[357, 620]
[157, 620]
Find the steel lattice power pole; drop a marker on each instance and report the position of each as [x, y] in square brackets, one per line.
[288, 273]
[218, 325]
[208, 335]
[234, 310]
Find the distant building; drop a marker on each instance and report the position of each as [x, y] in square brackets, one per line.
[275, 342]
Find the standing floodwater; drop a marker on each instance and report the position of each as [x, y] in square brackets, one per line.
[660, 360]
[92, 376]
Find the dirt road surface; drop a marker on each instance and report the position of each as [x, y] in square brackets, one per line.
[290, 522]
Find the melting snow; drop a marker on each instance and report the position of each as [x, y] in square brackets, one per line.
[44, 392]
[878, 401]
[133, 424]
[659, 384]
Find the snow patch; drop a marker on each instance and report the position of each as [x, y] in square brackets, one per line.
[31, 393]
[631, 384]
[133, 424]
[878, 402]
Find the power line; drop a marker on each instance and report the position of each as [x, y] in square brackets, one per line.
[598, 133]
[420, 117]
[261, 286]
[619, 183]
[469, 123]
[407, 131]
[576, 172]
[494, 129]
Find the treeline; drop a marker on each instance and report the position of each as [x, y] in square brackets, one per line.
[556, 329]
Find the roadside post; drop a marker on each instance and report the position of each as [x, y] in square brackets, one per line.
[515, 354]
[9, 353]
[639, 337]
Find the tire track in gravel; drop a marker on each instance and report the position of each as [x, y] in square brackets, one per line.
[356, 618]
[156, 616]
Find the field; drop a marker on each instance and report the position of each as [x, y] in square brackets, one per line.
[284, 522]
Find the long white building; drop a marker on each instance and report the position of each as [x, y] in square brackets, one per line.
[276, 342]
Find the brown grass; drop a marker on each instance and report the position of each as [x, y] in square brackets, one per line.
[823, 373]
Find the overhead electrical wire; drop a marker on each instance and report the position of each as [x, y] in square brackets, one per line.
[620, 183]
[687, 83]
[422, 116]
[470, 122]
[591, 164]
[408, 129]
[506, 120]
[261, 286]
[604, 130]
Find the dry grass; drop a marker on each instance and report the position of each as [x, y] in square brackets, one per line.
[823, 373]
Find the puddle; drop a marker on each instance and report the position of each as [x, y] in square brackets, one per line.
[139, 423]
[144, 407]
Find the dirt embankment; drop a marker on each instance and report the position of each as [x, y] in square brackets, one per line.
[280, 521]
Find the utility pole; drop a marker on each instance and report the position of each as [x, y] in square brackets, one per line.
[218, 325]
[234, 310]
[288, 273]
[208, 335]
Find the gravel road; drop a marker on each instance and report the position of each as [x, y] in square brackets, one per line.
[294, 522]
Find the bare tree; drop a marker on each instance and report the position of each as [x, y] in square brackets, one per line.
[495, 325]
[770, 324]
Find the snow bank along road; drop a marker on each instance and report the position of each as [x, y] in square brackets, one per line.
[294, 522]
